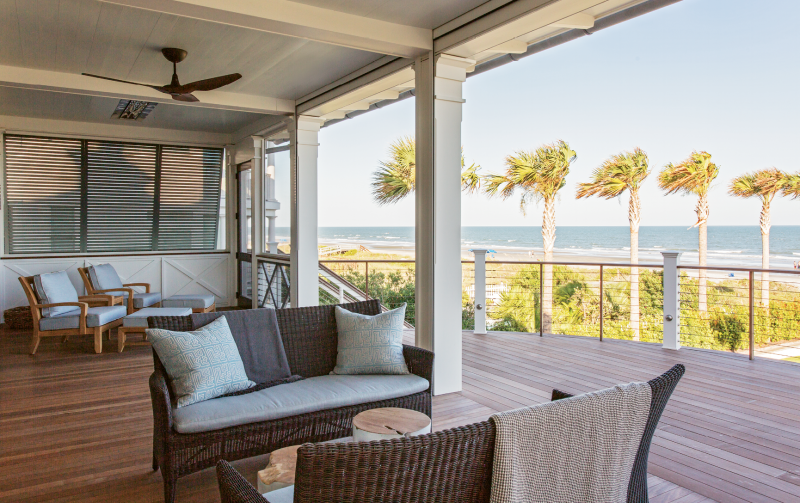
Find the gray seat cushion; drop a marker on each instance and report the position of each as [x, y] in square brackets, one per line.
[285, 400]
[104, 277]
[258, 339]
[95, 317]
[54, 288]
[142, 300]
[139, 318]
[198, 301]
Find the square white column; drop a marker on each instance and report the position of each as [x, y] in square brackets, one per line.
[439, 82]
[257, 215]
[304, 142]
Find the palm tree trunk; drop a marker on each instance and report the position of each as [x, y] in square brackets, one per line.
[548, 240]
[634, 218]
[765, 226]
[702, 221]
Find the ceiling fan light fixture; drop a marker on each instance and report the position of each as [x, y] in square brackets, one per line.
[133, 109]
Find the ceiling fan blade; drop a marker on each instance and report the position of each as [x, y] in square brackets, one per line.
[157, 88]
[210, 84]
[185, 97]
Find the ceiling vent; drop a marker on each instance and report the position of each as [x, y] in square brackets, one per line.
[133, 110]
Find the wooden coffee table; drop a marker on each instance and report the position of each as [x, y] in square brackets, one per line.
[279, 472]
[389, 422]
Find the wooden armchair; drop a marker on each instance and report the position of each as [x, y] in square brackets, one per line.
[85, 304]
[129, 294]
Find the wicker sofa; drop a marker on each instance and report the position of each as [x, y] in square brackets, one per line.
[450, 466]
[310, 341]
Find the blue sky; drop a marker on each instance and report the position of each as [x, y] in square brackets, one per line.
[715, 75]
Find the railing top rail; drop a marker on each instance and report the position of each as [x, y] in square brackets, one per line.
[590, 264]
[275, 258]
[326, 261]
[739, 269]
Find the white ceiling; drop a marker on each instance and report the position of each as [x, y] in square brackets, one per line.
[74, 107]
[420, 13]
[76, 36]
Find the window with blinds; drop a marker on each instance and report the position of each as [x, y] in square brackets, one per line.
[66, 195]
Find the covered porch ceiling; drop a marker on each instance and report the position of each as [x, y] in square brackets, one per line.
[322, 58]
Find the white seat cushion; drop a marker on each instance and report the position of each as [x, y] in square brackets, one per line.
[283, 495]
[198, 301]
[309, 395]
[139, 318]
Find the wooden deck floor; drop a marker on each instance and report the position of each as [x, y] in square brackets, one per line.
[75, 426]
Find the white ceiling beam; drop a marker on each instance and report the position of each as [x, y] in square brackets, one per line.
[29, 78]
[511, 47]
[487, 35]
[299, 20]
[579, 21]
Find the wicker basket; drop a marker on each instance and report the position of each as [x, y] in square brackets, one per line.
[18, 318]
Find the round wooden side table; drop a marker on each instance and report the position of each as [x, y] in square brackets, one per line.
[389, 422]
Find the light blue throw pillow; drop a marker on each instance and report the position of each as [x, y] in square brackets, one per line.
[203, 364]
[370, 344]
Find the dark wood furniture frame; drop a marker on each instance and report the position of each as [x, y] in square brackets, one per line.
[310, 341]
[84, 303]
[450, 466]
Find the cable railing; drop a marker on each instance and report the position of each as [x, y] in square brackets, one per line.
[745, 310]
[575, 298]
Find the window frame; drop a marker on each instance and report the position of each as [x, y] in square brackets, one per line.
[84, 195]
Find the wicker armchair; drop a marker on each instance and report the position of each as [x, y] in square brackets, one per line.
[310, 341]
[450, 466]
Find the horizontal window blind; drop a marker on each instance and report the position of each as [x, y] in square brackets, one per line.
[189, 196]
[67, 195]
[121, 179]
[43, 193]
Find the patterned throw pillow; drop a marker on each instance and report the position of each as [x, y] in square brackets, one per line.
[370, 344]
[203, 364]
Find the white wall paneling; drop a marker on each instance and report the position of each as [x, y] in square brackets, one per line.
[168, 274]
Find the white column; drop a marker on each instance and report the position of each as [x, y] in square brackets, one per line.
[304, 138]
[480, 291]
[438, 214]
[672, 322]
[271, 205]
[256, 213]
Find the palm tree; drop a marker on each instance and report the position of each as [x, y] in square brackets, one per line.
[764, 184]
[621, 172]
[539, 175]
[694, 176]
[395, 179]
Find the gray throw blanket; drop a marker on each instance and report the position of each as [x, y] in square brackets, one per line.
[578, 449]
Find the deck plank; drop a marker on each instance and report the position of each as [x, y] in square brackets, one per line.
[75, 426]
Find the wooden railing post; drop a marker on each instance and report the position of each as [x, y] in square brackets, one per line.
[601, 302]
[671, 300]
[752, 300]
[366, 280]
[541, 298]
[479, 282]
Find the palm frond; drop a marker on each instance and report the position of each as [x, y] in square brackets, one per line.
[395, 178]
[791, 186]
[624, 171]
[692, 176]
[764, 183]
[539, 174]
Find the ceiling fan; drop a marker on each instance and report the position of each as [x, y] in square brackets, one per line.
[175, 89]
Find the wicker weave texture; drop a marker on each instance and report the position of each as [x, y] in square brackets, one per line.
[451, 466]
[305, 331]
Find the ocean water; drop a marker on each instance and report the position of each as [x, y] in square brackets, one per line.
[727, 245]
